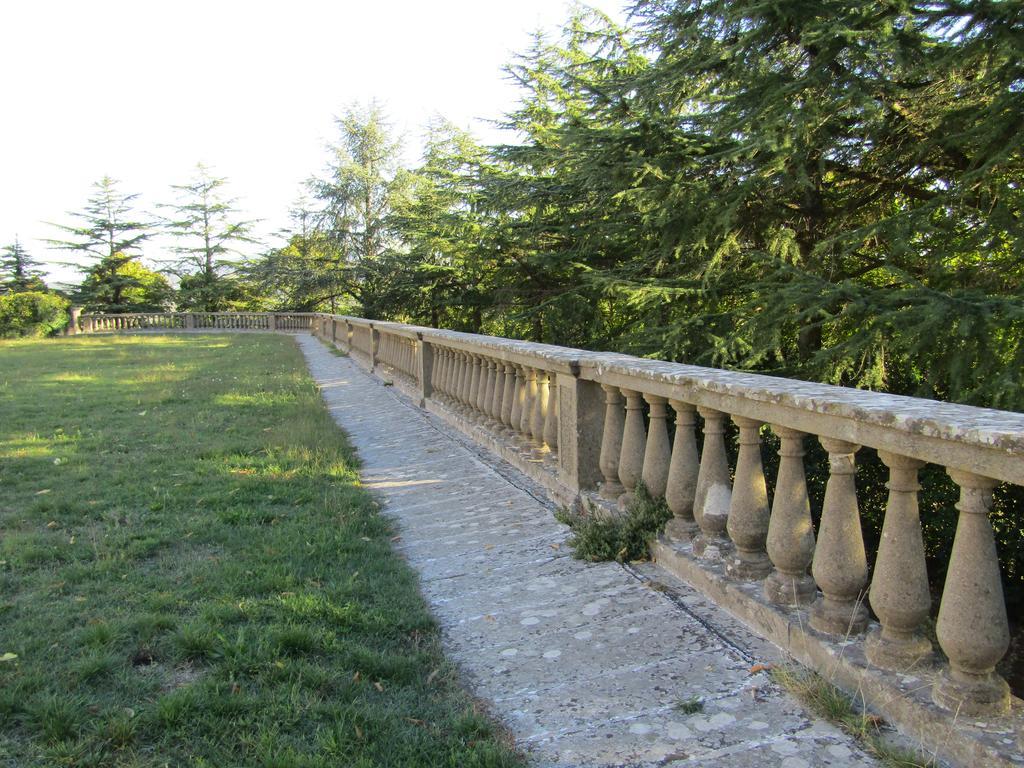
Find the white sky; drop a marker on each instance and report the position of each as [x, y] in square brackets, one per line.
[144, 90]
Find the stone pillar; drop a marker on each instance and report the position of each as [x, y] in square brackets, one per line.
[634, 439]
[840, 565]
[899, 583]
[611, 443]
[790, 529]
[551, 414]
[499, 391]
[529, 402]
[74, 314]
[713, 495]
[682, 474]
[474, 385]
[748, 509]
[540, 402]
[508, 395]
[657, 453]
[374, 348]
[518, 395]
[490, 383]
[424, 370]
[581, 421]
[972, 626]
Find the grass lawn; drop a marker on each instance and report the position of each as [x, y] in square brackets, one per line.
[190, 574]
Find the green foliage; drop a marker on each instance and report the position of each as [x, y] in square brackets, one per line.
[19, 272]
[598, 536]
[32, 313]
[207, 232]
[124, 285]
[228, 600]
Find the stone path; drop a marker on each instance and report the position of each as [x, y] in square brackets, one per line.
[587, 664]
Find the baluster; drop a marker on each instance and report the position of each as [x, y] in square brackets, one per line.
[899, 584]
[972, 626]
[840, 565]
[682, 474]
[748, 508]
[611, 443]
[490, 384]
[467, 380]
[499, 390]
[518, 397]
[455, 378]
[508, 395]
[530, 380]
[480, 401]
[474, 385]
[551, 414]
[713, 495]
[790, 529]
[657, 453]
[634, 438]
[537, 413]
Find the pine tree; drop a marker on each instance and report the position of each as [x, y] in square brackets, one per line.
[110, 236]
[19, 272]
[357, 196]
[208, 232]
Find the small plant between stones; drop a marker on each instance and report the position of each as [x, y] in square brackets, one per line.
[689, 706]
[598, 537]
[833, 704]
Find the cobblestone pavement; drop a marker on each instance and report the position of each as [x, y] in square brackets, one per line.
[586, 664]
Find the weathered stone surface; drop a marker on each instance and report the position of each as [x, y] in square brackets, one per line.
[585, 663]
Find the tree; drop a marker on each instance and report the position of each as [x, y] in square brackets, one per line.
[108, 234]
[357, 197]
[141, 289]
[445, 233]
[207, 231]
[20, 271]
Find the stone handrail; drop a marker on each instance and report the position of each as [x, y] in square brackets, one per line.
[236, 321]
[592, 426]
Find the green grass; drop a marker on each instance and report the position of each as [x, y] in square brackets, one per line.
[191, 576]
[833, 704]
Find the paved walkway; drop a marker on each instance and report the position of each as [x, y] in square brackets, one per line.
[587, 664]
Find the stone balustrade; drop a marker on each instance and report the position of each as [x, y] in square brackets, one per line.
[591, 426]
[198, 321]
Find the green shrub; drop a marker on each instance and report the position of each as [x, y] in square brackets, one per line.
[597, 537]
[32, 313]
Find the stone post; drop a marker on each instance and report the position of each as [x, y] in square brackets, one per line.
[634, 440]
[73, 321]
[657, 453]
[374, 348]
[581, 422]
[682, 474]
[190, 321]
[840, 564]
[790, 529]
[713, 495]
[748, 509]
[972, 626]
[508, 395]
[473, 395]
[518, 395]
[899, 584]
[540, 402]
[529, 402]
[611, 443]
[551, 414]
[425, 369]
